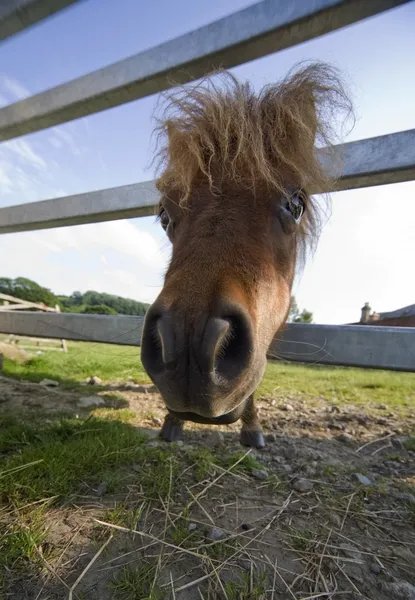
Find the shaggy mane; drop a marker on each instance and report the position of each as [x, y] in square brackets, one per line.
[225, 134]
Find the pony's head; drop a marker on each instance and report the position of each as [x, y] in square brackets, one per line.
[237, 172]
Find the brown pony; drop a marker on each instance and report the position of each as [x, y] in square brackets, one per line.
[237, 173]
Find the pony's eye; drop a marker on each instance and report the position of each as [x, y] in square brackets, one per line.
[295, 205]
[164, 219]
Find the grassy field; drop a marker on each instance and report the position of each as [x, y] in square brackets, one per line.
[93, 507]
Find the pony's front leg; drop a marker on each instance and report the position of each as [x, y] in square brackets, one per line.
[251, 432]
[172, 428]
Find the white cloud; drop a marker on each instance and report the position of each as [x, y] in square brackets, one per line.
[15, 89]
[25, 151]
[364, 255]
[71, 258]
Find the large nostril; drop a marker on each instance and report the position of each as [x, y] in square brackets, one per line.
[158, 343]
[227, 345]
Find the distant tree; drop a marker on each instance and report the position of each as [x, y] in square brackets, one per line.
[294, 310]
[295, 316]
[304, 317]
[29, 290]
[123, 306]
[76, 298]
[77, 302]
[64, 301]
[99, 309]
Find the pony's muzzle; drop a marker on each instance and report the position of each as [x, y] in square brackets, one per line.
[197, 363]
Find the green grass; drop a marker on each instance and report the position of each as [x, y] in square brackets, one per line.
[247, 588]
[118, 363]
[137, 583]
[83, 359]
[341, 384]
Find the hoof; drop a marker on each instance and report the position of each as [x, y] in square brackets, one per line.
[253, 439]
[172, 429]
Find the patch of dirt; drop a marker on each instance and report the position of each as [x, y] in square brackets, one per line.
[328, 511]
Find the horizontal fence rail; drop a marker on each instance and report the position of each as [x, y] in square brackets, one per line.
[124, 202]
[17, 15]
[348, 345]
[251, 33]
[375, 161]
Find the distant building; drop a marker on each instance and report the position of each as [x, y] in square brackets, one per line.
[403, 317]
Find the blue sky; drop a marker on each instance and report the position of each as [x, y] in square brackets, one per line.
[366, 247]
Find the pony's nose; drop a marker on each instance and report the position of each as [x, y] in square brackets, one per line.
[215, 349]
[226, 345]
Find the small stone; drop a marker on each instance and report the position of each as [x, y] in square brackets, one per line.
[215, 438]
[89, 401]
[271, 437]
[35, 402]
[94, 380]
[381, 421]
[152, 444]
[102, 488]
[303, 485]
[289, 452]
[216, 534]
[362, 479]
[337, 426]
[246, 526]
[259, 473]
[361, 525]
[191, 527]
[401, 590]
[405, 497]
[49, 383]
[345, 438]
[286, 407]
[335, 519]
[382, 407]
[375, 568]
[157, 421]
[180, 443]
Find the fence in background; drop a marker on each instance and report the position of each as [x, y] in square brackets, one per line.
[10, 303]
[257, 31]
